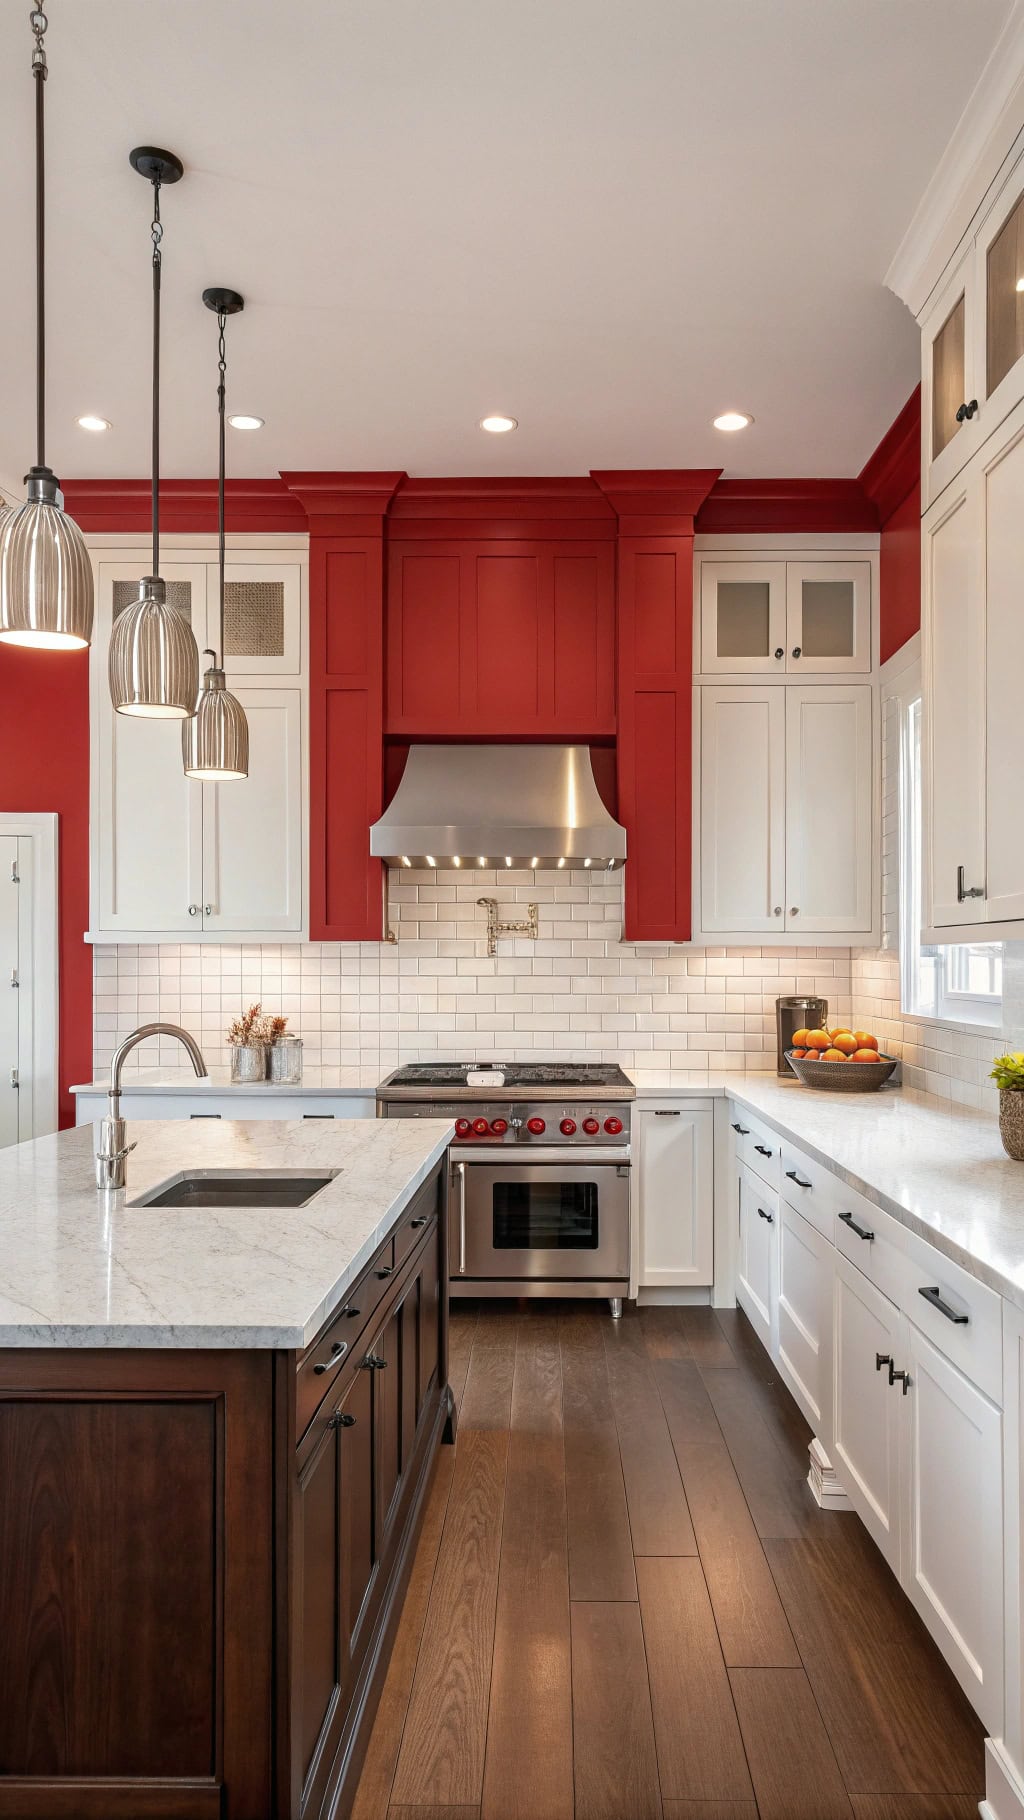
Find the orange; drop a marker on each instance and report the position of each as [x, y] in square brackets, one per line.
[865, 1040]
[799, 1053]
[840, 1030]
[800, 1039]
[844, 1041]
[833, 1055]
[819, 1039]
[865, 1055]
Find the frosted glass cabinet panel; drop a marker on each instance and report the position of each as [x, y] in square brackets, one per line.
[828, 619]
[743, 617]
[762, 618]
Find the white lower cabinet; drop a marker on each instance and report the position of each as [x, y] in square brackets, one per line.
[674, 1175]
[804, 1342]
[865, 1446]
[757, 1270]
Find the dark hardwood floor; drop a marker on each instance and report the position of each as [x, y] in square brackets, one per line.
[627, 1606]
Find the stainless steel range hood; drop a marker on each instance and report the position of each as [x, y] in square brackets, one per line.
[524, 806]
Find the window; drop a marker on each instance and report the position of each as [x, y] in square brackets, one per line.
[961, 984]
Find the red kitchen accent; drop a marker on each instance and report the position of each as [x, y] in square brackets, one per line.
[591, 1126]
[499, 1127]
[481, 1127]
[462, 1128]
[537, 1126]
[613, 1126]
[892, 477]
[568, 1127]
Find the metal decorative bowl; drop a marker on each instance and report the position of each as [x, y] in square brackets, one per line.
[843, 1077]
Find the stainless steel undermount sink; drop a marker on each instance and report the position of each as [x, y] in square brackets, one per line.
[237, 1188]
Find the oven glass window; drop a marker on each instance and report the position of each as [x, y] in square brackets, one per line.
[545, 1216]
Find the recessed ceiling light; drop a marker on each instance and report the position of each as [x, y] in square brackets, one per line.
[96, 424]
[733, 420]
[498, 424]
[246, 423]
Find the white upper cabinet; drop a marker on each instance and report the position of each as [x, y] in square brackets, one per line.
[763, 617]
[172, 857]
[786, 812]
[1004, 676]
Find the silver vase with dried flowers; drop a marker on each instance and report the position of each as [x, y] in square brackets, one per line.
[1008, 1074]
[247, 1040]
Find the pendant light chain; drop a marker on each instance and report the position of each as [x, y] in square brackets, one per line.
[39, 22]
[156, 229]
[222, 367]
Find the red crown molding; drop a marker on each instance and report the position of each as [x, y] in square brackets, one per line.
[487, 506]
[895, 467]
[347, 504]
[185, 505]
[787, 505]
[656, 502]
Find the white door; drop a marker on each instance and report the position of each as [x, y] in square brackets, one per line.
[806, 1269]
[742, 808]
[262, 616]
[865, 1446]
[1004, 623]
[147, 826]
[953, 623]
[743, 617]
[828, 616]
[675, 1189]
[757, 1265]
[953, 1546]
[10, 994]
[252, 827]
[829, 805]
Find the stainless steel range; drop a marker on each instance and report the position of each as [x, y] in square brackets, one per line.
[539, 1172]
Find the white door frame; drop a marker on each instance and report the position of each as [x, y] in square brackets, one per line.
[39, 966]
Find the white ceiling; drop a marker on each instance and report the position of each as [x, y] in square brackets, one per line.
[611, 218]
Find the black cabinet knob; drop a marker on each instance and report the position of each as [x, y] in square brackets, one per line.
[779, 653]
[904, 1375]
[796, 650]
[420, 1222]
[966, 411]
[341, 1419]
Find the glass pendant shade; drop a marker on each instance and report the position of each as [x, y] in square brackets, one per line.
[46, 581]
[215, 740]
[153, 663]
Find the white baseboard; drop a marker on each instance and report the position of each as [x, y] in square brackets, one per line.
[825, 1487]
[673, 1298]
[1004, 1785]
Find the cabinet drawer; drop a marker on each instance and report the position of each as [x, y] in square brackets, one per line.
[809, 1187]
[418, 1215]
[960, 1316]
[872, 1240]
[756, 1146]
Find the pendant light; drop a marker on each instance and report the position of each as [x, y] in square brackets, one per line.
[215, 741]
[153, 663]
[46, 586]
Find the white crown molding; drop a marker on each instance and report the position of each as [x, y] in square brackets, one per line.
[984, 140]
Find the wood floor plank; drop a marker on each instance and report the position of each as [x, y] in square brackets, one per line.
[659, 1519]
[776, 1490]
[434, 1813]
[744, 1343]
[915, 1807]
[898, 1720]
[461, 1330]
[442, 1753]
[709, 1810]
[528, 1772]
[792, 1764]
[600, 1544]
[663, 1333]
[374, 1793]
[487, 1398]
[616, 1769]
[537, 1377]
[751, 1623]
[700, 1751]
[704, 1337]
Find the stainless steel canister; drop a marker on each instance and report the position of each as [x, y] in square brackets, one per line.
[793, 1013]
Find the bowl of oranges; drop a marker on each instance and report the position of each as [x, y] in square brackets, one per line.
[840, 1060]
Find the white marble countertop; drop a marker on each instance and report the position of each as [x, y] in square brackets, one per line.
[316, 1082]
[80, 1268]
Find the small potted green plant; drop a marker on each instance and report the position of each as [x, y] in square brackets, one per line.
[1008, 1074]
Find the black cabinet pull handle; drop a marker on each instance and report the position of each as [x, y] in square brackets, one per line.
[935, 1297]
[388, 1271]
[421, 1221]
[882, 1358]
[792, 1176]
[673, 1112]
[904, 1375]
[342, 1419]
[321, 1115]
[963, 890]
[350, 1313]
[863, 1232]
[770, 1217]
[338, 1351]
[205, 1115]
[763, 1151]
[966, 411]
[743, 1130]
[373, 1363]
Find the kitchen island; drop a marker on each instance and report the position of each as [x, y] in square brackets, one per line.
[217, 1429]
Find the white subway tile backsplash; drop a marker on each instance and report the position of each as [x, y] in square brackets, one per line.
[578, 991]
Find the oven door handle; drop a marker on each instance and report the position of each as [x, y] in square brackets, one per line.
[460, 1170]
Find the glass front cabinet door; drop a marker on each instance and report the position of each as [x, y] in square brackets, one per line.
[950, 408]
[999, 277]
[764, 618]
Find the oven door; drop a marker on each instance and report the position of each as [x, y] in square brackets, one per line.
[564, 1221]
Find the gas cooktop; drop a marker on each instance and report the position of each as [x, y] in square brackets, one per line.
[587, 1076]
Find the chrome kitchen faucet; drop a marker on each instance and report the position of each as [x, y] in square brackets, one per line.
[114, 1147]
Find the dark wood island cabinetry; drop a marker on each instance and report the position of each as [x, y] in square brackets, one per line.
[203, 1554]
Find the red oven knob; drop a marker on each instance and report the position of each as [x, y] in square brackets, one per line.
[537, 1126]
[462, 1127]
[481, 1127]
[613, 1126]
[591, 1125]
[568, 1127]
[499, 1127]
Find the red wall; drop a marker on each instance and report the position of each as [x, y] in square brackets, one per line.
[44, 766]
[900, 574]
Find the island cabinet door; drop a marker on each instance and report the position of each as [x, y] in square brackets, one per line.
[407, 1345]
